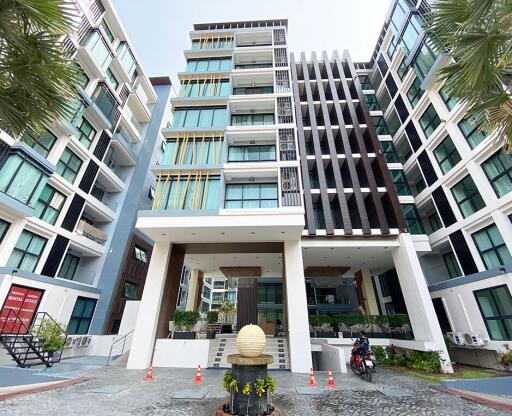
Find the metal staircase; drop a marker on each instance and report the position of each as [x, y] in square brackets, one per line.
[23, 342]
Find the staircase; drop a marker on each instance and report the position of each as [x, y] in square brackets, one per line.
[225, 344]
[23, 343]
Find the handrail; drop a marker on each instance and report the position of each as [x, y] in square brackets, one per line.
[120, 341]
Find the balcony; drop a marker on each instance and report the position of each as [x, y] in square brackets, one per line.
[91, 232]
[107, 103]
[253, 39]
[253, 59]
[124, 63]
[138, 103]
[128, 151]
[95, 53]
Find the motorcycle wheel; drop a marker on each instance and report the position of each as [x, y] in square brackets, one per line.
[368, 375]
[353, 367]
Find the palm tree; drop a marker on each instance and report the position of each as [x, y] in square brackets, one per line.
[478, 36]
[38, 79]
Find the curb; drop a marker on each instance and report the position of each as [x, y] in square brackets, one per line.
[45, 387]
[491, 403]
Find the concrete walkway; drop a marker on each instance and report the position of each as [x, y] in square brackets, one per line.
[117, 391]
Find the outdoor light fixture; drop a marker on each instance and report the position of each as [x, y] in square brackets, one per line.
[252, 84]
[251, 179]
[252, 142]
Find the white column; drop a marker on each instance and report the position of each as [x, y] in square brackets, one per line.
[192, 290]
[143, 343]
[417, 298]
[297, 307]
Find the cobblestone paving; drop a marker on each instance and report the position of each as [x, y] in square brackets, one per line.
[352, 396]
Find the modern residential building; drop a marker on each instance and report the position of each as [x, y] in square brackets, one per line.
[231, 200]
[460, 181]
[69, 198]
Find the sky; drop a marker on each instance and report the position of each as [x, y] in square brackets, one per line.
[159, 29]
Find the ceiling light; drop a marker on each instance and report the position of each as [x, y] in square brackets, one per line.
[252, 142]
[251, 179]
[252, 84]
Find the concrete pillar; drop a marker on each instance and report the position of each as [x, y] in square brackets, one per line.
[193, 286]
[370, 298]
[143, 342]
[297, 308]
[417, 298]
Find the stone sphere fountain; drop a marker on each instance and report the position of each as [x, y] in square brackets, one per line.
[249, 368]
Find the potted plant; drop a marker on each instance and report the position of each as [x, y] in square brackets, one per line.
[212, 318]
[185, 321]
[231, 386]
[260, 388]
[271, 386]
[400, 327]
[53, 337]
[246, 391]
[322, 326]
[226, 309]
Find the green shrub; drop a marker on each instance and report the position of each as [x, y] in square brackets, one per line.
[505, 357]
[425, 360]
[186, 319]
[398, 319]
[52, 336]
[319, 320]
[212, 317]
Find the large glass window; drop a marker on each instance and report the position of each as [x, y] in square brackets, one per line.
[498, 169]
[251, 119]
[253, 90]
[69, 165]
[200, 117]
[22, 180]
[412, 219]
[270, 293]
[81, 316]
[196, 151]
[398, 16]
[124, 54]
[105, 101]
[429, 120]
[446, 154]
[99, 49]
[140, 254]
[251, 195]
[449, 100]
[181, 192]
[471, 130]
[27, 251]
[402, 70]
[492, 248]
[49, 204]
[211, 64]
[41, 144]
[380, 125]
[415, 92]
[434, 221]
[69, 267]
[215, 43]
[205, 88]
[85, 133]
[393, 44]
[4, 226]
[400, 182]
[467, 196]
[111, 79]
[411, 33]
[389, 152]
[451, 265]
[254, 153]
[495, 305]
[130, 291]
[424, 61]
[373, 104]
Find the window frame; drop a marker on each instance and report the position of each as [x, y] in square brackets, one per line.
[140, 254]
[72, 265]
[417, 93]
[434, 121]
[25, 251]
[508, 334]
[242, 199]
[507, 172]
[134, 286]
[450, 262]
[80, 318]
[67, 167]
[47, 204]
[494, 248]
[472, 198]
[451, 155]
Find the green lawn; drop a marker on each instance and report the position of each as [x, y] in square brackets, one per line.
[460, 372]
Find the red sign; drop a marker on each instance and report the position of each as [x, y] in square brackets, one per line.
[23, 302]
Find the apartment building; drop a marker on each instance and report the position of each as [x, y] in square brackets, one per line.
[272, 182]
[459, 180]
[70, 197]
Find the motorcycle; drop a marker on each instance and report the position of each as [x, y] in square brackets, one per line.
[362, 363]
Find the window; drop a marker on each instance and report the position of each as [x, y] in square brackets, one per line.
[81, 316]
[42, 144]
[27, 252]
[107, 31]
[467, 196]
[495, 304]
[212, 64]
[449, 100]
[185, 276]
[446, 154]
[434, 221]
[199, 151]
[206, 292]
[380, 125]
[22, 180]
[49, 205]
[412, 219]
[365, 82]
[261, 153]
[384, 285]
[99, 49]
[420, 185]
[140, 254]
[424, 61]
[470, 128]
[411, 33]
[188, 193]
[251, 119]
[492, 248]
[69, 165]
[402, 70]
[4, 226]
[398, 16]
[393, 44]
[111, 79]
[415, 92]
[130, 291]
[389, 152]
[85, 133]
[400, 182]
[251, 195]
[429, 120]
[205, 88]
[270, 293]
[69, 267]
[106, 101]
[451, 265]
[125, 57]
[200, 117]
[253, 90]
[498, 169]
[373, 104]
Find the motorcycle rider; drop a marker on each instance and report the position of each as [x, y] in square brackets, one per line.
[362, 345]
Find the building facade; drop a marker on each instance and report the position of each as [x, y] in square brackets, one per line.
[273, 183]
[460, 181]
[69, 198]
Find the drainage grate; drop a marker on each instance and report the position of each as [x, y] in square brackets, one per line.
[396, 392]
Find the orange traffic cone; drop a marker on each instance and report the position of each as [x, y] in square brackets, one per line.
[149, 374]
[312, 382]
[330, 380]
[198, 375]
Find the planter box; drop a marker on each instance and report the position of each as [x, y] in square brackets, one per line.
[184, 335]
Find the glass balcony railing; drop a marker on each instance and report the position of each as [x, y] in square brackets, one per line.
[125, 57]
[106, 102]
[98, 48]
[254, 153]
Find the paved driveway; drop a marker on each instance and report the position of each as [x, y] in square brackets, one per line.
[117, 391]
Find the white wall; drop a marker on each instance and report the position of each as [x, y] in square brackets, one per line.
[129, 318]
[183, 353]
[333, 358]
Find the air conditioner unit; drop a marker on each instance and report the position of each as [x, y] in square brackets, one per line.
[474, 339]
[76, 342]
[69, 340]
[457, 338]
[85, 341]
